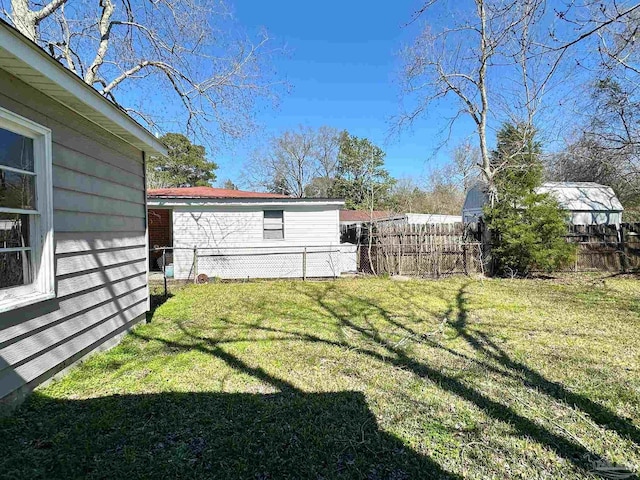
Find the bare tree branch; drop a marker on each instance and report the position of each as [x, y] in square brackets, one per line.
[505, 55]
[104, 26]
[299, 163]
[48, 9]
[191, 52]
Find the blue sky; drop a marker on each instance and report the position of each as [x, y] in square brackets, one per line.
[342, 63]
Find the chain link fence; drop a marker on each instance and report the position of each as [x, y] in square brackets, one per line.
[268, 262]
[198, 264]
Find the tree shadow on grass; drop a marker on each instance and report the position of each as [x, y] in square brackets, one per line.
[287, 435]
[457, 316]
[572, 451]
[391, 353]
[206, 435]
[482, 343]
[291, 434]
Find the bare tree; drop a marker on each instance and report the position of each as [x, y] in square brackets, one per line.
[438, 66]
[300, 163]
[462, 169]
[604, 143]
[440, 194]
[479, 57]
[188, 52]
[619, 46]
[327, 145]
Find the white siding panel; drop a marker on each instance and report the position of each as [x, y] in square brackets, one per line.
[231, 243]
[76, 242]
[100, 237]
[216, 228]
[70, 221]
[34, 344]
[72, 285]
[243, 227]
[88, 203]
[120, 174]
[85, 302]
[79, 182]
[78, 263]
[57, 358]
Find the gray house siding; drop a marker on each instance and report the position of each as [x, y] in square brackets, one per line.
[100, 248]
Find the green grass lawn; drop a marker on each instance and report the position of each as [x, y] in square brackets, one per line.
[363, 378]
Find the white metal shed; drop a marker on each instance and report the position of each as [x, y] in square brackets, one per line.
[589, 203]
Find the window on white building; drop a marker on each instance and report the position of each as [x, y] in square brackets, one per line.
[26, 237]
[273, 225]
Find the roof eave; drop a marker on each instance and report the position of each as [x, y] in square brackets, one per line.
[192, 199]
[27, 59]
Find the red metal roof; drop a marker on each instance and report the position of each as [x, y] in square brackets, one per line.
[209, 192]
[362, 215]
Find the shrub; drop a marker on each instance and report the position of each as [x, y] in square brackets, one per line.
[528, 229]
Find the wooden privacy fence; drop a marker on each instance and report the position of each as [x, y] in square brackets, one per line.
[420, 250]
[606, 247]
[441, 249]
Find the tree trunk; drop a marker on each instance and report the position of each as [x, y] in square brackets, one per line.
[487, 171]
[24, 19]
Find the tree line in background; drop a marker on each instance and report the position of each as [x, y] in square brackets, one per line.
[565, 72]
[568, 70]
[327, 162]
[320, 163]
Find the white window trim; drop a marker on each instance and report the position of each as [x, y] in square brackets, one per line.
[278, 229]
[42, 254]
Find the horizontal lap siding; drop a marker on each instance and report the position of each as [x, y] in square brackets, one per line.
[100, 250]
[315, 227]
[216, 228]
[241, 228]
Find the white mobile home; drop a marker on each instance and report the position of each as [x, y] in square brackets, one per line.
[73, 253]
[237, 234]
[588, 203]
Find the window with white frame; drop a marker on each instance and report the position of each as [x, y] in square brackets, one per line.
[26, 237]
[273, 225]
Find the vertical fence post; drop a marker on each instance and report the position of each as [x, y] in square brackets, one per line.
[164, 271]
[304, 263]
[465, 265]
[195, 264]
[622, 248]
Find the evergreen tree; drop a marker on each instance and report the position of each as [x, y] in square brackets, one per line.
[185, 166]
[527, 228]
[361, 178]
[229, 185]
